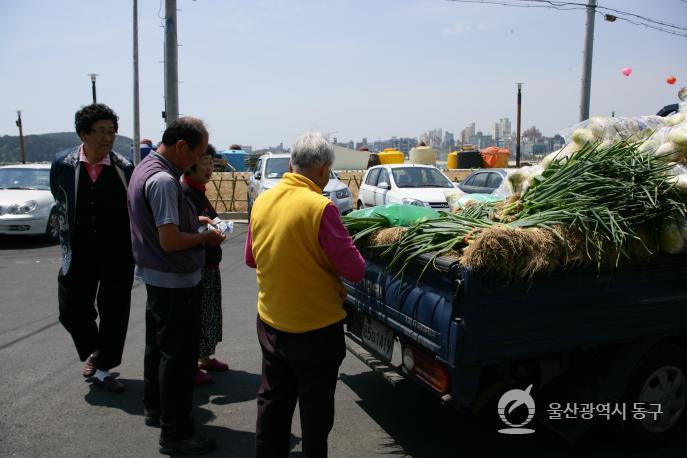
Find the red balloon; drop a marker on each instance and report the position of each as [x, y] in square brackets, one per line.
[627, 71]
[671, 80]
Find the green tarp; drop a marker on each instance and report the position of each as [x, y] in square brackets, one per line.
[397, 214]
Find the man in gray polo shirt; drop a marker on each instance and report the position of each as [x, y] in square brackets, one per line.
[169, 254]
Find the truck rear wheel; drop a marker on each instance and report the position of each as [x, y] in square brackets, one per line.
[660, 377]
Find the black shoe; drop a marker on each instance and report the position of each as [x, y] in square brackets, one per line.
[194, 445]
[151, 417]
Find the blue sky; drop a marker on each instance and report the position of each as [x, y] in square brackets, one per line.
[263, 72]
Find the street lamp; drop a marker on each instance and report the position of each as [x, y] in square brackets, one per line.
[517, 128]
[22, 152]
[93, 75]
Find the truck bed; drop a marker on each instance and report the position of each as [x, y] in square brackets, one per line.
[463, 317]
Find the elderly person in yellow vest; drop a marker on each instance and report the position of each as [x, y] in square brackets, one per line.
[300, 249]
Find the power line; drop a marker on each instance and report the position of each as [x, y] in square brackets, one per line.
[651, 26]
[569, 6]
[626, 13]
[503, 3]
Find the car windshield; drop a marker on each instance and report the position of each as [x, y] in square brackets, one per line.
[420, 177]
[276, 167]
[11, 178]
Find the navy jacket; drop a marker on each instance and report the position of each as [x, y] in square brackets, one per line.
[64, 183]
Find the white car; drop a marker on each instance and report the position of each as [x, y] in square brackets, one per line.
[414, 184]
[272, 166]
[26, 203]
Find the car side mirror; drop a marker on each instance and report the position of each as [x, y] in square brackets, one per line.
[384, 185]
[257, 175]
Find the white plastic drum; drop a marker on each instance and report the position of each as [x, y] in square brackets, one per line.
[423, 155]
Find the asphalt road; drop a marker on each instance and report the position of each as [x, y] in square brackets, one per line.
[48, 409]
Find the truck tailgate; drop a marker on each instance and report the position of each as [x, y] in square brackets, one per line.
[578, 309]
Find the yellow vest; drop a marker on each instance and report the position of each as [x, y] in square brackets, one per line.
[298, 288]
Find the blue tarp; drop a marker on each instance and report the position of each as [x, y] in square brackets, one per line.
[235, 157]
[145, 150]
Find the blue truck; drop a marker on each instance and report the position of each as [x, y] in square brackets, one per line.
[587, 336]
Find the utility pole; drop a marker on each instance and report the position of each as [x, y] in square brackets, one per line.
[517, 126]
[171, 63]
[587, 60]
[93, 75]
[137, 126]
[22, 152]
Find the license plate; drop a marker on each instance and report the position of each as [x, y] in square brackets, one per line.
[378, 338]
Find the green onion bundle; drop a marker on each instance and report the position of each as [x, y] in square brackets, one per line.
[440, 236]
[359, 228]
[609, 197]
[606, 194]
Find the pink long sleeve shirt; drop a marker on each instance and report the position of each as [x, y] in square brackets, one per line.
[336, 243]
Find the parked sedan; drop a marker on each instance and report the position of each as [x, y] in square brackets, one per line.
[414, 184]
[271, 167]
[483, 181]
[26, 203]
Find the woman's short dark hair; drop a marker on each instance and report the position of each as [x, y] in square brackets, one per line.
[189, 129]
[90, 114]
[209, 151]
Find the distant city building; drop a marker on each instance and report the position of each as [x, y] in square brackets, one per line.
[274, 149]
[532, 134]
[502, 132]
[433, 138]
[362, 144]
[497, 131]
[502, 128]
[403, 144]
[481, 140]
[557, 142]
[533, 145]
[349, 145]
[449, 140]
[467, 133]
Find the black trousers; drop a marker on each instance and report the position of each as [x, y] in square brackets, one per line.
[297, 367]
[97, 278]
[171, 357]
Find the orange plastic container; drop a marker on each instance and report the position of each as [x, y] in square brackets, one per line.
[495, 158]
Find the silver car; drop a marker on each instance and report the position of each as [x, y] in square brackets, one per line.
[26, 203]
[271, 167]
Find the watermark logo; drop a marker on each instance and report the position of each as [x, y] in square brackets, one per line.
[510, 401]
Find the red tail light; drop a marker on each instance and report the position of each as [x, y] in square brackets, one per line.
[423, 366]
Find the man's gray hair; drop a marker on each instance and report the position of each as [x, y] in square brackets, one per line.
[311, 149]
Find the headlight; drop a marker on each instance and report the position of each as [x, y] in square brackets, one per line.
[419, 203]
[343, 193]
[20, 209]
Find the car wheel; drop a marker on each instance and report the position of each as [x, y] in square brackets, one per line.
[360, 205]
[52, 231]
[660, 377]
